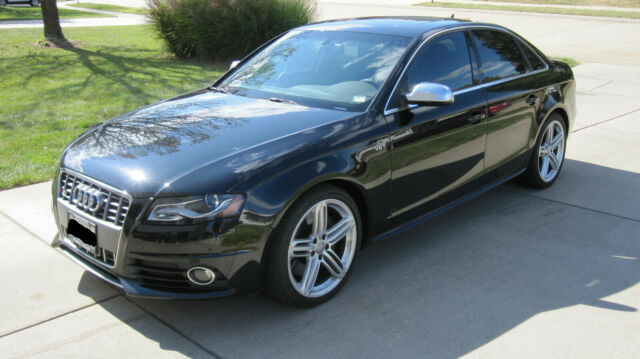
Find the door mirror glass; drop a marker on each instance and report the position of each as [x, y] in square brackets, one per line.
[430, 94]
[233, 65]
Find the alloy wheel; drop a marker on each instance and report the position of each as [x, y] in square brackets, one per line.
[322, 248]
[551, 151]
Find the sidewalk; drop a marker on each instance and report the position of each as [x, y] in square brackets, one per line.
[412, 2]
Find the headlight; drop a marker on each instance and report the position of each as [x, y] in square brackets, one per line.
[196, 209]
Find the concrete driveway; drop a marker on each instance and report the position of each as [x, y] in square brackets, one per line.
[512, 273]
[602, 40]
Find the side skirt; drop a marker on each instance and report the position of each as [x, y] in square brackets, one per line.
[444, 208]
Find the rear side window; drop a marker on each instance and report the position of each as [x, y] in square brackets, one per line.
[500, 56]
[534, 60]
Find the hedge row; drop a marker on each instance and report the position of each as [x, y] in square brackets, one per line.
[222, 30]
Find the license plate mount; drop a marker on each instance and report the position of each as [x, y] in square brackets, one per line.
[82, 233]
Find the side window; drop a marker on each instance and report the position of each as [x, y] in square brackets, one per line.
[534, 60]
[444, 60]
[499, 54]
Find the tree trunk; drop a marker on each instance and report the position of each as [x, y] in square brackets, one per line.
[52, 29]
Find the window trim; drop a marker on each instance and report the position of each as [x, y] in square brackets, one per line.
[388, 111]
[523, 52]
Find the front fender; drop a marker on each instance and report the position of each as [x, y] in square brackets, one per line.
[370, 177]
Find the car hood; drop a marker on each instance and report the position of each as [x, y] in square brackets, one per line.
[146, 151]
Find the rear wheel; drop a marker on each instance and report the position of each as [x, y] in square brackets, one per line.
[313, 249]
[34, 3]
[548, 155]
[3, 2]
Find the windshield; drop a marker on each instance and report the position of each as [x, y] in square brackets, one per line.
[329, 69]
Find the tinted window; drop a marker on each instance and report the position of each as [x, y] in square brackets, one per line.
[500, 56]
[330, 69]
[534, 60]
[444, 60]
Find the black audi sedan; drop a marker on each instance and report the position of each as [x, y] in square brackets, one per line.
[328, 136]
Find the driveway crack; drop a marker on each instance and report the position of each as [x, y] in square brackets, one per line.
[176, 330]
[571, 205]
[59, 316]
[601, 122]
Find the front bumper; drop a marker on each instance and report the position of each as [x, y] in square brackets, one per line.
[152, 261]
[135, 288]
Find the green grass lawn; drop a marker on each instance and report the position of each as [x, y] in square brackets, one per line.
[50, 95]
[34, 13]
[106, 7]
[571, 62]
[545, 10]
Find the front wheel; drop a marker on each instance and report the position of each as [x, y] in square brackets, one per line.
[34, 3]
[314, 248]
[548, 155]
[3, 2]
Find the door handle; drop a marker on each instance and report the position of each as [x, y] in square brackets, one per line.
[531, 100]
[476, 116]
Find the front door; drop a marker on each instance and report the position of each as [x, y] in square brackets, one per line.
[437, 151]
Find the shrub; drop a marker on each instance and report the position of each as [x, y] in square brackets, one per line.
[221, 30]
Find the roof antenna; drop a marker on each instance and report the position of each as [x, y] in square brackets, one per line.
[452, 15]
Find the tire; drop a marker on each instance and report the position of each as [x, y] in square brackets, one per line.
[547, 158]
[327, 250]
[34, 3]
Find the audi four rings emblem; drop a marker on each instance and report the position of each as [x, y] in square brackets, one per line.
[87, 198]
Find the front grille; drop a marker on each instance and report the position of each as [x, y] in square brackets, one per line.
[171, 277]
[114, 205]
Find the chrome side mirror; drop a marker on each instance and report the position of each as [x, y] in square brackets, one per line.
[233, 65]
[430, 94]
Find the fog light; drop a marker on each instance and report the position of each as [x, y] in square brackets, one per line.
[201, 275]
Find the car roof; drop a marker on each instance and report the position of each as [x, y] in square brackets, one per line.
[414, 26]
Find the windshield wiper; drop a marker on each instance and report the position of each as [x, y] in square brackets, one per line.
[218, 89]
[281, 100]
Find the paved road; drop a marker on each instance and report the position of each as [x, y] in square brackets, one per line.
[512, 273]
[117, 19]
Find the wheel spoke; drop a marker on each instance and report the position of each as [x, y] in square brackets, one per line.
[555, 164]
[310, 275]
[549, 135]
[319, 219]
[556, 141]
[544, 168]
[301, 248]
[333, 263]
[545, 138]
[339, 230]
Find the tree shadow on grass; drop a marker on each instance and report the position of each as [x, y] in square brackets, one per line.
[125, 75]
[441, 289]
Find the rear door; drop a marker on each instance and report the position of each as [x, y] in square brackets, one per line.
[437, 151]
[509, 82]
